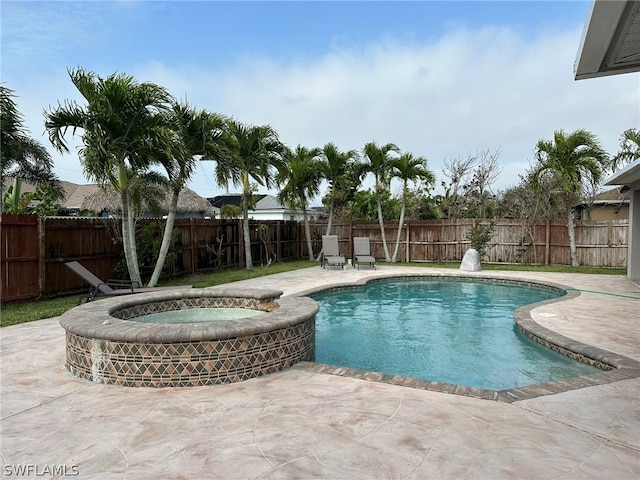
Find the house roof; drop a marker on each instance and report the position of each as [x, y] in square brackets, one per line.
[189, 201]
[92, 197]
[628, 175]
[608, 197]
[263, 202]
[611, 40]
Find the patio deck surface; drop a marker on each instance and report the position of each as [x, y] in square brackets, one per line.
[306, 423]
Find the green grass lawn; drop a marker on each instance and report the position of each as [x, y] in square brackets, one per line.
[45, 308]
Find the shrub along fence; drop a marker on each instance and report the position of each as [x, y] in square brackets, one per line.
[34, 250]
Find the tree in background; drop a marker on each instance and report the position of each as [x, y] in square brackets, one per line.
[468, 191]
[337, 169]
[408, 168]
[255, 152]
[577, 159]
[299, 180]
[122, 129]
[230, 211]
[457, 171]
[485, 172]
[629, 149]
[523, 201]
[377, 160]
[21, 156]
[365, 206]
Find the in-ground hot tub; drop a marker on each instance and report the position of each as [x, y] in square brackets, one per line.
[106, 344]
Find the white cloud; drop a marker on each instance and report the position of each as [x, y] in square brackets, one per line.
[491, 88]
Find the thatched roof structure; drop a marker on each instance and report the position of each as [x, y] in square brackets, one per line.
[96, 200]
[189, 203]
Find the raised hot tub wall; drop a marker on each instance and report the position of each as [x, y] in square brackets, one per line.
[103, 345]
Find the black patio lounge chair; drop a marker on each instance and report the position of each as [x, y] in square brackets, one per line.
[331, 253]
[99, 287]
[362, 252]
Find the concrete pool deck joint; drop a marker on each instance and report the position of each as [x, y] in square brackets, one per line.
[104, 345]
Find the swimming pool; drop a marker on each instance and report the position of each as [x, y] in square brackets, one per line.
[448, 330]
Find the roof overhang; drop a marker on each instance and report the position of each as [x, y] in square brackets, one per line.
[627, 176]
[610, 41]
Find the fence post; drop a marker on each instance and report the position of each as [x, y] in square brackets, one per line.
[42, 274]
[408, 224]
[547, 247]
[240, 244]
[194, 253]
[278, 241]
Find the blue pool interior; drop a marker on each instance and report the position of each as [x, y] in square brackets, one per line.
[447, 330]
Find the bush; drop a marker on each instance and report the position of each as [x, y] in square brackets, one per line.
[480, 236]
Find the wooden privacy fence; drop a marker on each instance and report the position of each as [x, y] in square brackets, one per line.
[599, 243]
[34, 250]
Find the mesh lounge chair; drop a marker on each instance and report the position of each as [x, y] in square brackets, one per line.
[331, 253]
[99, 287]
[362, 252]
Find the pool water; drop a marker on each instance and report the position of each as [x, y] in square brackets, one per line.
[197, 315]
[452, 331]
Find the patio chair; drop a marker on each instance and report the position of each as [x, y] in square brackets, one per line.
[99, 287]
[362, 252]
[331, 252]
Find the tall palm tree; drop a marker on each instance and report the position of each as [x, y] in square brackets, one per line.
[408, 168]
[197, 136]
[378, 160]
[299, 180]
[334, 165]
[576, 158]
[122, 130]
[21, 156]
[256, 150]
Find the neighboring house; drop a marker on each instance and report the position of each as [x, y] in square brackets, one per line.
[267, 207]
[90, 198]
[612, 204]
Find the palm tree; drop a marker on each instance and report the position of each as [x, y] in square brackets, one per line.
[575, 158]
[334, 166]
[21, 156]
[197, 136]
[122, 130]
[629, 149]
[299, 180]
[255, 151]
[408, 168]
[378, 163]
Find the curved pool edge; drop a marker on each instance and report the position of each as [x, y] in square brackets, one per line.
[618, 366]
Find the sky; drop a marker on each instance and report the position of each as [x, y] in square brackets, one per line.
[442, 80]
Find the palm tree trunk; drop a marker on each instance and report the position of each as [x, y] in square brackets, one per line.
[572, 237]
[245, 223]
[402, 210]
[329, 225]
[384, 238]
[330, 221]
[166, 240]
[307, 230]
[129, 238]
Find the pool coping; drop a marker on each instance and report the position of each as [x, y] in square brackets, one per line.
[96, 319]
[617, 367]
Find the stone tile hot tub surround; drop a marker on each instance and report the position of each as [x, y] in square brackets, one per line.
[104, 345]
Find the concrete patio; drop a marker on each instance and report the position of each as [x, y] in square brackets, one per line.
[303, 423]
